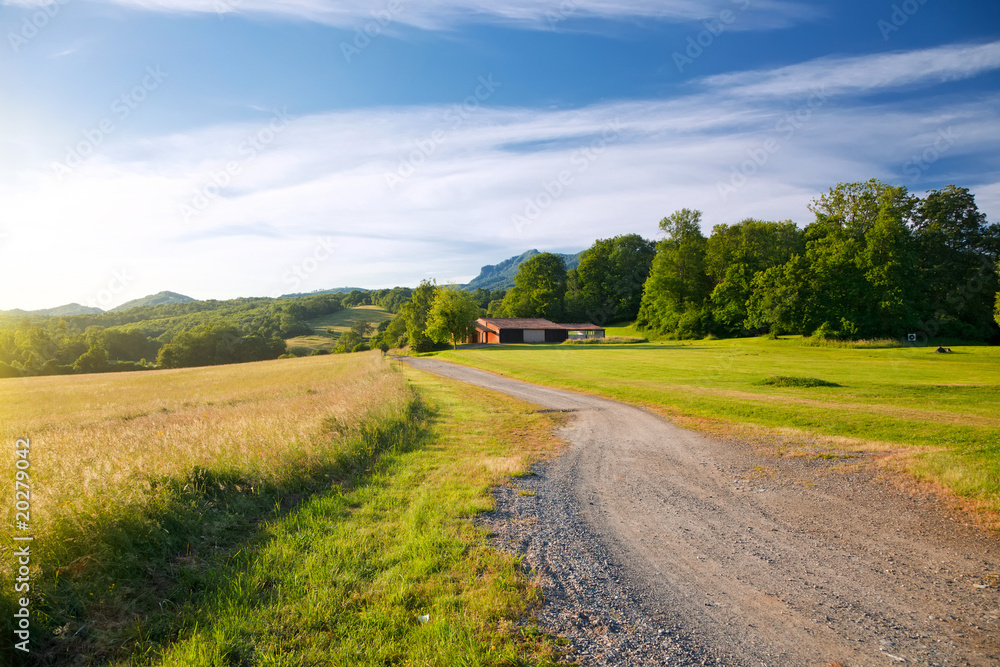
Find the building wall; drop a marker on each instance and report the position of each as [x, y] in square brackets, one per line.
[534, 335]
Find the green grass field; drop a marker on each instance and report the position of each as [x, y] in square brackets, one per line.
[336, 323]
[936, 414]
[288, 512]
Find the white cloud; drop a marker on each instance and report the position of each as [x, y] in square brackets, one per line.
[443, 14]
[859, 74]
[324, 179]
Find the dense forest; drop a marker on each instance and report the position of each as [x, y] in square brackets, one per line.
[876, 261]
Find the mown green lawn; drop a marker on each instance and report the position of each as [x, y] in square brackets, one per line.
[944, 408]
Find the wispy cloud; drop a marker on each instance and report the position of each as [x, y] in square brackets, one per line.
[860, 74]
[442, 14]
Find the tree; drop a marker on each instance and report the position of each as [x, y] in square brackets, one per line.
[996, 306]
[453, 316]
[858, 270]
[677, 286]
[415, 313]
[855, 207]
[362, 327]
[394, 334]
[607, 284]
[734, 254]
[355, 298]
[94, 360]
[539, 288]
[394, 299]
[958, 251]
[347, 342]
[780, 297]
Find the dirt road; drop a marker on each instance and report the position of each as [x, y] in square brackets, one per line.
[705, 551]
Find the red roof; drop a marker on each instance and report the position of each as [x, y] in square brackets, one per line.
[497, 323]
[517, 323]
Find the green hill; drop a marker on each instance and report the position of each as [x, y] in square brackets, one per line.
[158, 299]
[501, 276]
[58, 311]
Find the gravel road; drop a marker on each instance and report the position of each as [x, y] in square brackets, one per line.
[656, 545]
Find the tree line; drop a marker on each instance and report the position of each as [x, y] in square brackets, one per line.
[876, 261]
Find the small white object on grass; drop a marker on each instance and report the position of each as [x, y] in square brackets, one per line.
[424, 618]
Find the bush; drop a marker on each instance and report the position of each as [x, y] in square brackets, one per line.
[608, 340]
[360, 347]
[792, 381]
[316, 353]
[826, 332]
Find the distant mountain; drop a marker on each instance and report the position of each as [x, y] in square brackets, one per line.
[332, 290]
[58, 311]
[158, 299]
[69, 309]
[501, 276]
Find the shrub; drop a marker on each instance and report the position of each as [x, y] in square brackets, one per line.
[608, 340]
[826, 332]
[793, 381]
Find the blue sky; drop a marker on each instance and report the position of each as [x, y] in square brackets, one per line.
[224, 148]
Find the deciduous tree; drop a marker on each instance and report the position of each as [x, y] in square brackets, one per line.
[677, 286]
[452, 316]
[539, 288]
[607, 284]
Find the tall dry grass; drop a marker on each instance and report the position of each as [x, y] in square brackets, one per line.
[114, 459]
[102, 438]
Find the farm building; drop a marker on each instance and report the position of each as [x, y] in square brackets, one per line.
[530, 330]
